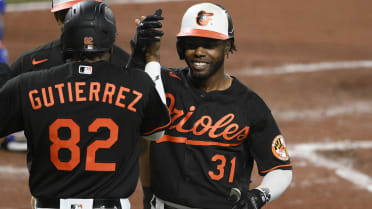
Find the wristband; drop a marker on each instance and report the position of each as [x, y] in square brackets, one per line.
[153, 70]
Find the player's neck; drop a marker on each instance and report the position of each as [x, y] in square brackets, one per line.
[104, 57]
[218, 82]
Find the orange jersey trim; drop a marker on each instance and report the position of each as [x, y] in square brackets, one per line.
[203, 33]
[279, 166]
[184, 140]
[156, 129]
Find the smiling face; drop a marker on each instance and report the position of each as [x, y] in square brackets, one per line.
[205, 56]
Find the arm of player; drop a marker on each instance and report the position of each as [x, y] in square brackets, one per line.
[10, 104]
[147, 32]
[4, 73]
[275, 183]
[155, 136]
[153, 68]
[272, 186]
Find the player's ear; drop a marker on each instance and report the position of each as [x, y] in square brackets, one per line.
[227, 48]
[107, 55]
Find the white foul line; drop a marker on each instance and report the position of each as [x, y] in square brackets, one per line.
[308, 151]
[11, 170]
[357, 107]
[309, 67]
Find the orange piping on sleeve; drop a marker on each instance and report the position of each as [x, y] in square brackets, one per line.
[279, 166]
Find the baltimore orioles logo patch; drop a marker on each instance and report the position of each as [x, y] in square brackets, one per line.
[279, 149]
[203, 18]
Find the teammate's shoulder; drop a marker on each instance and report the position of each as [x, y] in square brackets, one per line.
[26, 78]
[119, 56]
[42, 48]
[137, 72]
[241, 87]
[40, 54]
[176, 73]
[244, 91]
[4, 73]
[120, 51]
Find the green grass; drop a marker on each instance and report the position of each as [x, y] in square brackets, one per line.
[22, 1]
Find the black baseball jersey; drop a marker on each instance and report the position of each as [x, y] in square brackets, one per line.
[212, 143]
[4, 73]
[82, 122]
[50, 55]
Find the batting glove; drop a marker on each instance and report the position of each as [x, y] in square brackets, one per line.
[253, 199]
[147, 33]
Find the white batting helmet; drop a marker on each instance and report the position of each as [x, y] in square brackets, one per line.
[58, 5]
[207, 20]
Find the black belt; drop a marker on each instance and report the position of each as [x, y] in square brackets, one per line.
[97, 203]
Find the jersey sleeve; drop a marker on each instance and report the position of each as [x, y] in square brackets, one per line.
[119, 56]
[156, 115]
[267, 144]
[11, 108]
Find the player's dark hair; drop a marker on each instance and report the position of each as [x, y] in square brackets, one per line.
[181, 46]
[231, 29]
[233, 46]
[60, 15]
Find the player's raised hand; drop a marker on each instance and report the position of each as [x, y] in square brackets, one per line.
[147, 37]
[148, 28]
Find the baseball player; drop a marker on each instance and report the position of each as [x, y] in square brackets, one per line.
[219, 126]
[46, 56]
[83, 119]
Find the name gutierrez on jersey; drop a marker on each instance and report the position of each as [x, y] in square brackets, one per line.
[119, 96]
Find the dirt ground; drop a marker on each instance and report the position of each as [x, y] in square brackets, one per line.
[320, 106]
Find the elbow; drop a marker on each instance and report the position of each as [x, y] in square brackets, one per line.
[155, 136]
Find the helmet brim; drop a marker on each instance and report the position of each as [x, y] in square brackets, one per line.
[202, 33]
[66, 5]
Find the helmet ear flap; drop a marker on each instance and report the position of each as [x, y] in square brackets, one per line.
[180, 48]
